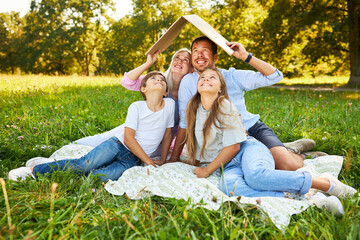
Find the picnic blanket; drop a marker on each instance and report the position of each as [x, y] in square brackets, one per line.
[176, 180]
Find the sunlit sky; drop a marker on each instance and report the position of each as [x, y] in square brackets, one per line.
[123, 7]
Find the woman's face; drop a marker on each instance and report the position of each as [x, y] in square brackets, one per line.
[209, 82]
[181, 63]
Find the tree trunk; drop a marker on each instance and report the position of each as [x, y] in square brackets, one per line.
[354, 42]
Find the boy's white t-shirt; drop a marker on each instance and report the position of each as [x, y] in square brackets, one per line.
[232, 132]
[149, 126]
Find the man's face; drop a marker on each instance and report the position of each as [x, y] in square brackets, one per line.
[202, 56]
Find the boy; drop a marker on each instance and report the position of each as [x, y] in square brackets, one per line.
[148, 123]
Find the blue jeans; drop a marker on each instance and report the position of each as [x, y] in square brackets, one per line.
[251, 173]
[110, 158]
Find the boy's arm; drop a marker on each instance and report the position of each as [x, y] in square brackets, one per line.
[224, 157]
[166, 141]
[134, 146]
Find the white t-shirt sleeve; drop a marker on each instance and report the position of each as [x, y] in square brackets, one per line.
[132, 118]
[170, 105]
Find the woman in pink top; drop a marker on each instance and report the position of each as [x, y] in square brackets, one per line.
[180, 65]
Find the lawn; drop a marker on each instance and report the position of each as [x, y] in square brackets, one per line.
[336, 81]
[39, 114]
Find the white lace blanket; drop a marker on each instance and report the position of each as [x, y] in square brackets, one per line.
[176, 180]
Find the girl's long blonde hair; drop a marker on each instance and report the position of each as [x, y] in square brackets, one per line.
[214, 118]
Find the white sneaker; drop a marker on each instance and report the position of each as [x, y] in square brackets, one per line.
[301, 145]
[21, 172]
[331, 203]
[36, 161]
[340, 189]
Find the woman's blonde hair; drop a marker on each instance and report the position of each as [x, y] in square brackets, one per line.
[213, 118]
[168, 73]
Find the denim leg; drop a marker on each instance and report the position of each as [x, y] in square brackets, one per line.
[124, 160]
[232, 181]
[252, 174]
[259, 171]
[101, 155]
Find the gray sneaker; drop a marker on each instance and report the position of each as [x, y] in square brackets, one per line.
[340, 189]
[301, 145]
[314, 154]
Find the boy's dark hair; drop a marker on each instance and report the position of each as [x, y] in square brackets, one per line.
[149, 75]
[205, 38]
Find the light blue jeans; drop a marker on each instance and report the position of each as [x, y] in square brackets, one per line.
[251, 173]
[110, 158]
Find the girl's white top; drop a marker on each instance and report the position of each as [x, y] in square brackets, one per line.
[232, 132]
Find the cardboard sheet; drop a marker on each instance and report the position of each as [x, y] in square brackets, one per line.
[167, 39]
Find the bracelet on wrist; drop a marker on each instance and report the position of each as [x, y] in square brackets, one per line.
[247, 60]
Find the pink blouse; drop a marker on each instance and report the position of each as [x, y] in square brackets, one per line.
[129, 84]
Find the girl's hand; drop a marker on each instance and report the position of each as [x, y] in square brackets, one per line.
[201, 172]
[152, 163]
[159, 162]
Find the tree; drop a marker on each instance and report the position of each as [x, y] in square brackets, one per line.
[353, 7]
[45, 39]
[133, 35]
[239, 21]
[10, 41]
[60, 34]
[327, 31]
[85, 23]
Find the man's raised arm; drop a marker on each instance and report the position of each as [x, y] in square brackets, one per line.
[239, 52]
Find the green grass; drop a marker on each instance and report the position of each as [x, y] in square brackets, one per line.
[317, 82]
[40, 114]
[338, 81]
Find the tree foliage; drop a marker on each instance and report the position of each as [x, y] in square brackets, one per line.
[239, 21]
[62, 34]
[307, 34]
[72, 36]
[133, 35]
[10, 41]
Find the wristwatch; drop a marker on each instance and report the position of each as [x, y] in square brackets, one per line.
[247, 60]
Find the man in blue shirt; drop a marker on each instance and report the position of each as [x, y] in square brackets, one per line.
[204, 55]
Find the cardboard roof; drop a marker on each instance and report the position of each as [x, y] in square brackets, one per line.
[166, 40]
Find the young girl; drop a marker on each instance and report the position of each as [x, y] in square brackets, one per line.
[216, 136]
[148, 123]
